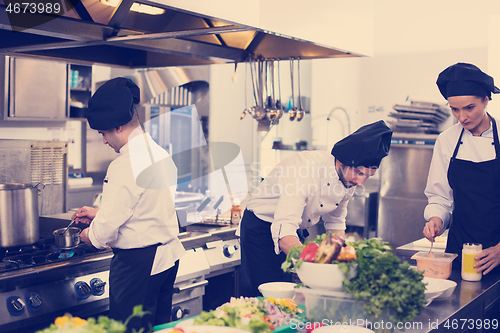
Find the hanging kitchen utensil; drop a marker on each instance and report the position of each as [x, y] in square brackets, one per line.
[279, 105]
[270, 112]
[257, 111]
[300, 112]
[244, 113]
[277, 115]
[293, 111]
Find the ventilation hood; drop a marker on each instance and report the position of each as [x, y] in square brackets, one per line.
[93, 32]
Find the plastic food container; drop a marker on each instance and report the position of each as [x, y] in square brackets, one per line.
[278, 289]
[337, 309]
[438, 266]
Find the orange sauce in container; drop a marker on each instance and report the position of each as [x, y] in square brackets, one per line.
[438, 267]
[235, 214]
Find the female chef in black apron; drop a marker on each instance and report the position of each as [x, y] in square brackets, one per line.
[464, 178]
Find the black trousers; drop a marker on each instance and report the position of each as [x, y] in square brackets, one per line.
[131, 284]
[259, 262]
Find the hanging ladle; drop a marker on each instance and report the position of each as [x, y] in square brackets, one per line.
[300, 112]
[293, 111]
[258, 112]
[279, 105]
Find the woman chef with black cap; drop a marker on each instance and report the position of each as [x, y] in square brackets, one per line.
[137, 217]
[464, 176]
[296, 193]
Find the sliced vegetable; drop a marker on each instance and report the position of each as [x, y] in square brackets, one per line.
[328, 250]
[309, 252]
[347, 253]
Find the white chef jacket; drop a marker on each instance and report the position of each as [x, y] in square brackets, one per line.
[438, 190]
[298, 191]
[132, 216]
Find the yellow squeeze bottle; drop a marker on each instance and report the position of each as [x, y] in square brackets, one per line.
[469, 251]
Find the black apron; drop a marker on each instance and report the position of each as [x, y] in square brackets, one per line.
[259, 262]
[129, 275]
[476, 196]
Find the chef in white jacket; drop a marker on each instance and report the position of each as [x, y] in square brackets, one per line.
[463, 186]
[296, 193]
[137, 217]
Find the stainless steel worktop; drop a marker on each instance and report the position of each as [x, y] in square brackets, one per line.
[197, 235]
[470, 303]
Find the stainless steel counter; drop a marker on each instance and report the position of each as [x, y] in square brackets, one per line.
[470, 304]
[469, 301]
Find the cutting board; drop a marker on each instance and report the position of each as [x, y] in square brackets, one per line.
[440, 243]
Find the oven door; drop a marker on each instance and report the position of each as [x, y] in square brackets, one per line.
[187, 300]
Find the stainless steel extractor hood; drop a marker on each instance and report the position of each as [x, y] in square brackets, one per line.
[92, 32]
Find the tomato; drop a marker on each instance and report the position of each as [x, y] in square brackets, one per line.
[309, 252]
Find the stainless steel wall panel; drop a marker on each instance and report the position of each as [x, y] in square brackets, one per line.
[401, 220]
[403, 177]
[404, 171]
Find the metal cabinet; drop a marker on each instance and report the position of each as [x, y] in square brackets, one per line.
[34, 89]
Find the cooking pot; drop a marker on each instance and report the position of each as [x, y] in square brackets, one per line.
[19, 223]
[69, 239]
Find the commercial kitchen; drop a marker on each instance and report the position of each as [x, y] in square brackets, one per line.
[202, 68]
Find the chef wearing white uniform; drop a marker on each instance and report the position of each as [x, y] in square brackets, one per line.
[296, 193]
[137, 217]
[464, 176]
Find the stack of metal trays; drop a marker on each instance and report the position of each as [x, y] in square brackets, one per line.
[418, 117]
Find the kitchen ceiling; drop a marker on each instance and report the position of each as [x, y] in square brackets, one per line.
[93, 32]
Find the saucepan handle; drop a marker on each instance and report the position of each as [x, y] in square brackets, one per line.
[37, 187]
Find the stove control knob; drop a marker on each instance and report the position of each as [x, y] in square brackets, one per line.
[15, 305]
[97, 286]
[33, 301]
[178, 313]
[83, 290]
[229, 250]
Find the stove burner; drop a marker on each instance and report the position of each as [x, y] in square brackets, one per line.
[40, 253]
[66, 254]
[8, 265]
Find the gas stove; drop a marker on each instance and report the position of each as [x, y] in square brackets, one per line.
[44, 252]
[40, 282]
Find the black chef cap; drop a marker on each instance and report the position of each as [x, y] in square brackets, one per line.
[366, 147]
[464, 79]
[112, 105]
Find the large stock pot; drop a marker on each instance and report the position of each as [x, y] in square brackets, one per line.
[19, 223]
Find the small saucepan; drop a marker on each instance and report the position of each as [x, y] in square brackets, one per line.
[69, 239]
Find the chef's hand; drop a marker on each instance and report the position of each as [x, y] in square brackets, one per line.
[287, 242]
[84, 236]
[433, 228]
[337, 231]
[488, 259]
[85, 215]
